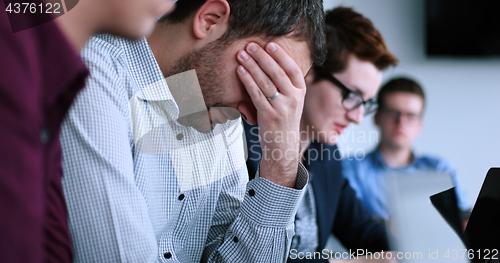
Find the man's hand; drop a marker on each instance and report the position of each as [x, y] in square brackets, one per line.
[263, 73]
[382, 259]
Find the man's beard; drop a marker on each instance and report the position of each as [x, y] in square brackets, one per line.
[207, 62]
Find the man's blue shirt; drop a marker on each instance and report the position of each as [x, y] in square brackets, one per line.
[367, 177]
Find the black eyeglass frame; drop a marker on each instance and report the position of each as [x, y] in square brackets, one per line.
[370, 105]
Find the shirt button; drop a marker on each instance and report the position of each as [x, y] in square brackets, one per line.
[180, 136]
[235, 239]
[298, 239]
[44, 135]
[167, 255]
[181, 197]
[251, 192]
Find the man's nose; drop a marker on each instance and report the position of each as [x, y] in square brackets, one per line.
[356, 115]
[401, 119]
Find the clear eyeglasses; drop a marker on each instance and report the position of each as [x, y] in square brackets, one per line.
[351, 100]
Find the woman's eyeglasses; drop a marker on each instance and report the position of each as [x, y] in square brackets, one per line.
[351, 100]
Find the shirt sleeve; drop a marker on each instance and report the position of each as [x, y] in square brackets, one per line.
[255, 225]
[349, 172]
[108, 215]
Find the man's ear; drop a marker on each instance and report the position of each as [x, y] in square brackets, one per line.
[309, 79]
[212, 19]
[420, 126]
[376, 117]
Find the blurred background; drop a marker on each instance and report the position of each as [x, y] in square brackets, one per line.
[461, 120]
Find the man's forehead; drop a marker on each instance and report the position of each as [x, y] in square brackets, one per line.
[404, 101]
[402, 96]
[298, 50]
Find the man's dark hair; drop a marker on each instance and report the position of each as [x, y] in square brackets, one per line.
[350, 33]
[400, 84]
[302, 19]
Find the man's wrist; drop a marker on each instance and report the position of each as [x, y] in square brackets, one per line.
[279, 173]
[269, 204]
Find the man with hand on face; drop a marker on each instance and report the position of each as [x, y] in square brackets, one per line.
[160, 177]
[399, 116]
[40, 74]
[339, 92]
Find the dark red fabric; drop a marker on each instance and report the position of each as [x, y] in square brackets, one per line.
[40, 74]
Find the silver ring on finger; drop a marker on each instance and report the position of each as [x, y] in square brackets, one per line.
[274, 96]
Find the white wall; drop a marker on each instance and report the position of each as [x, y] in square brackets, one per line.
[463, 106]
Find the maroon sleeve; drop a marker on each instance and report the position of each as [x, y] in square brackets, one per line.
[40, 74]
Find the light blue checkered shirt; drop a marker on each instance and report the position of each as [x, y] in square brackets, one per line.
[186, 199]
[368, 177]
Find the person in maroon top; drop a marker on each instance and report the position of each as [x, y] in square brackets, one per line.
[40, 74]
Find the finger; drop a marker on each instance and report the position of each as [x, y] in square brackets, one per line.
[290, 66]
[261, 79]
[271, 68]
[259, 100]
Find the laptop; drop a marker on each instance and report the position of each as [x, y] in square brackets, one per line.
[427, 219]
[419, 232]
[483, 229]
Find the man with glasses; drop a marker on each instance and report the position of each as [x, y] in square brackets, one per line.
[339, 92]
[399, 116]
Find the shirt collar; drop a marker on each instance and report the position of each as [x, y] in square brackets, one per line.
[157, 92]
[151, 83]
[158, 96]
[379, 159]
